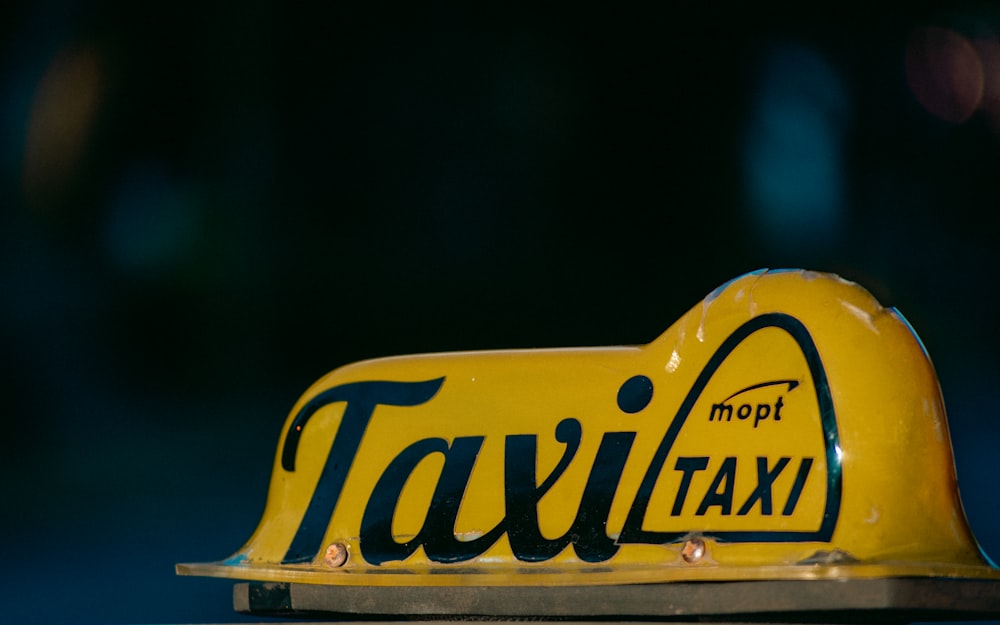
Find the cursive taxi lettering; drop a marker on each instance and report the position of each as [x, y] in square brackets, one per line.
[523, 489]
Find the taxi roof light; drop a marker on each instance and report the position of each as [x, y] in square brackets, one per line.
[788, 427]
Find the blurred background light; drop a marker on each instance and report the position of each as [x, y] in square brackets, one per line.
[65, 106]
[988, 48]
[153, 226]
[793, 151]
[944, 72]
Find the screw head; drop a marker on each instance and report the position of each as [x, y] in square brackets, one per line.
[336, 555]
[693, 550]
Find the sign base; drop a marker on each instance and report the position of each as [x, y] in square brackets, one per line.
[885, 600]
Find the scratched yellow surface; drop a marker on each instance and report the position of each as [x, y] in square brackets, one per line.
[732, 396]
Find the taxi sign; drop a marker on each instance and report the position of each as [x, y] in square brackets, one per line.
[788, 427]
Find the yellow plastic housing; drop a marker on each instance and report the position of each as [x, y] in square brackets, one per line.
[786, 427]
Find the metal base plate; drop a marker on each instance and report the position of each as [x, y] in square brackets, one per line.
[886, 600]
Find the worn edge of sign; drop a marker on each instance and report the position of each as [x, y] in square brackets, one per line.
[584, 575]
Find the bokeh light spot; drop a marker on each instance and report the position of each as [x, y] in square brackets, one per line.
[153, 225]
[944, 73]
[988, 49]
[63, 111]
[793, 151]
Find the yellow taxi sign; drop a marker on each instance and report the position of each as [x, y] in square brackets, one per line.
[787, 427]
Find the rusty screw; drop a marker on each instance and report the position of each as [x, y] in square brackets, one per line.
[693, 550]
[336, 555]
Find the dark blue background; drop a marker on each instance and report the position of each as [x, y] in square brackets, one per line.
[206, 206]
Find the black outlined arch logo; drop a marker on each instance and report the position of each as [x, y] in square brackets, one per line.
[633, 531]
